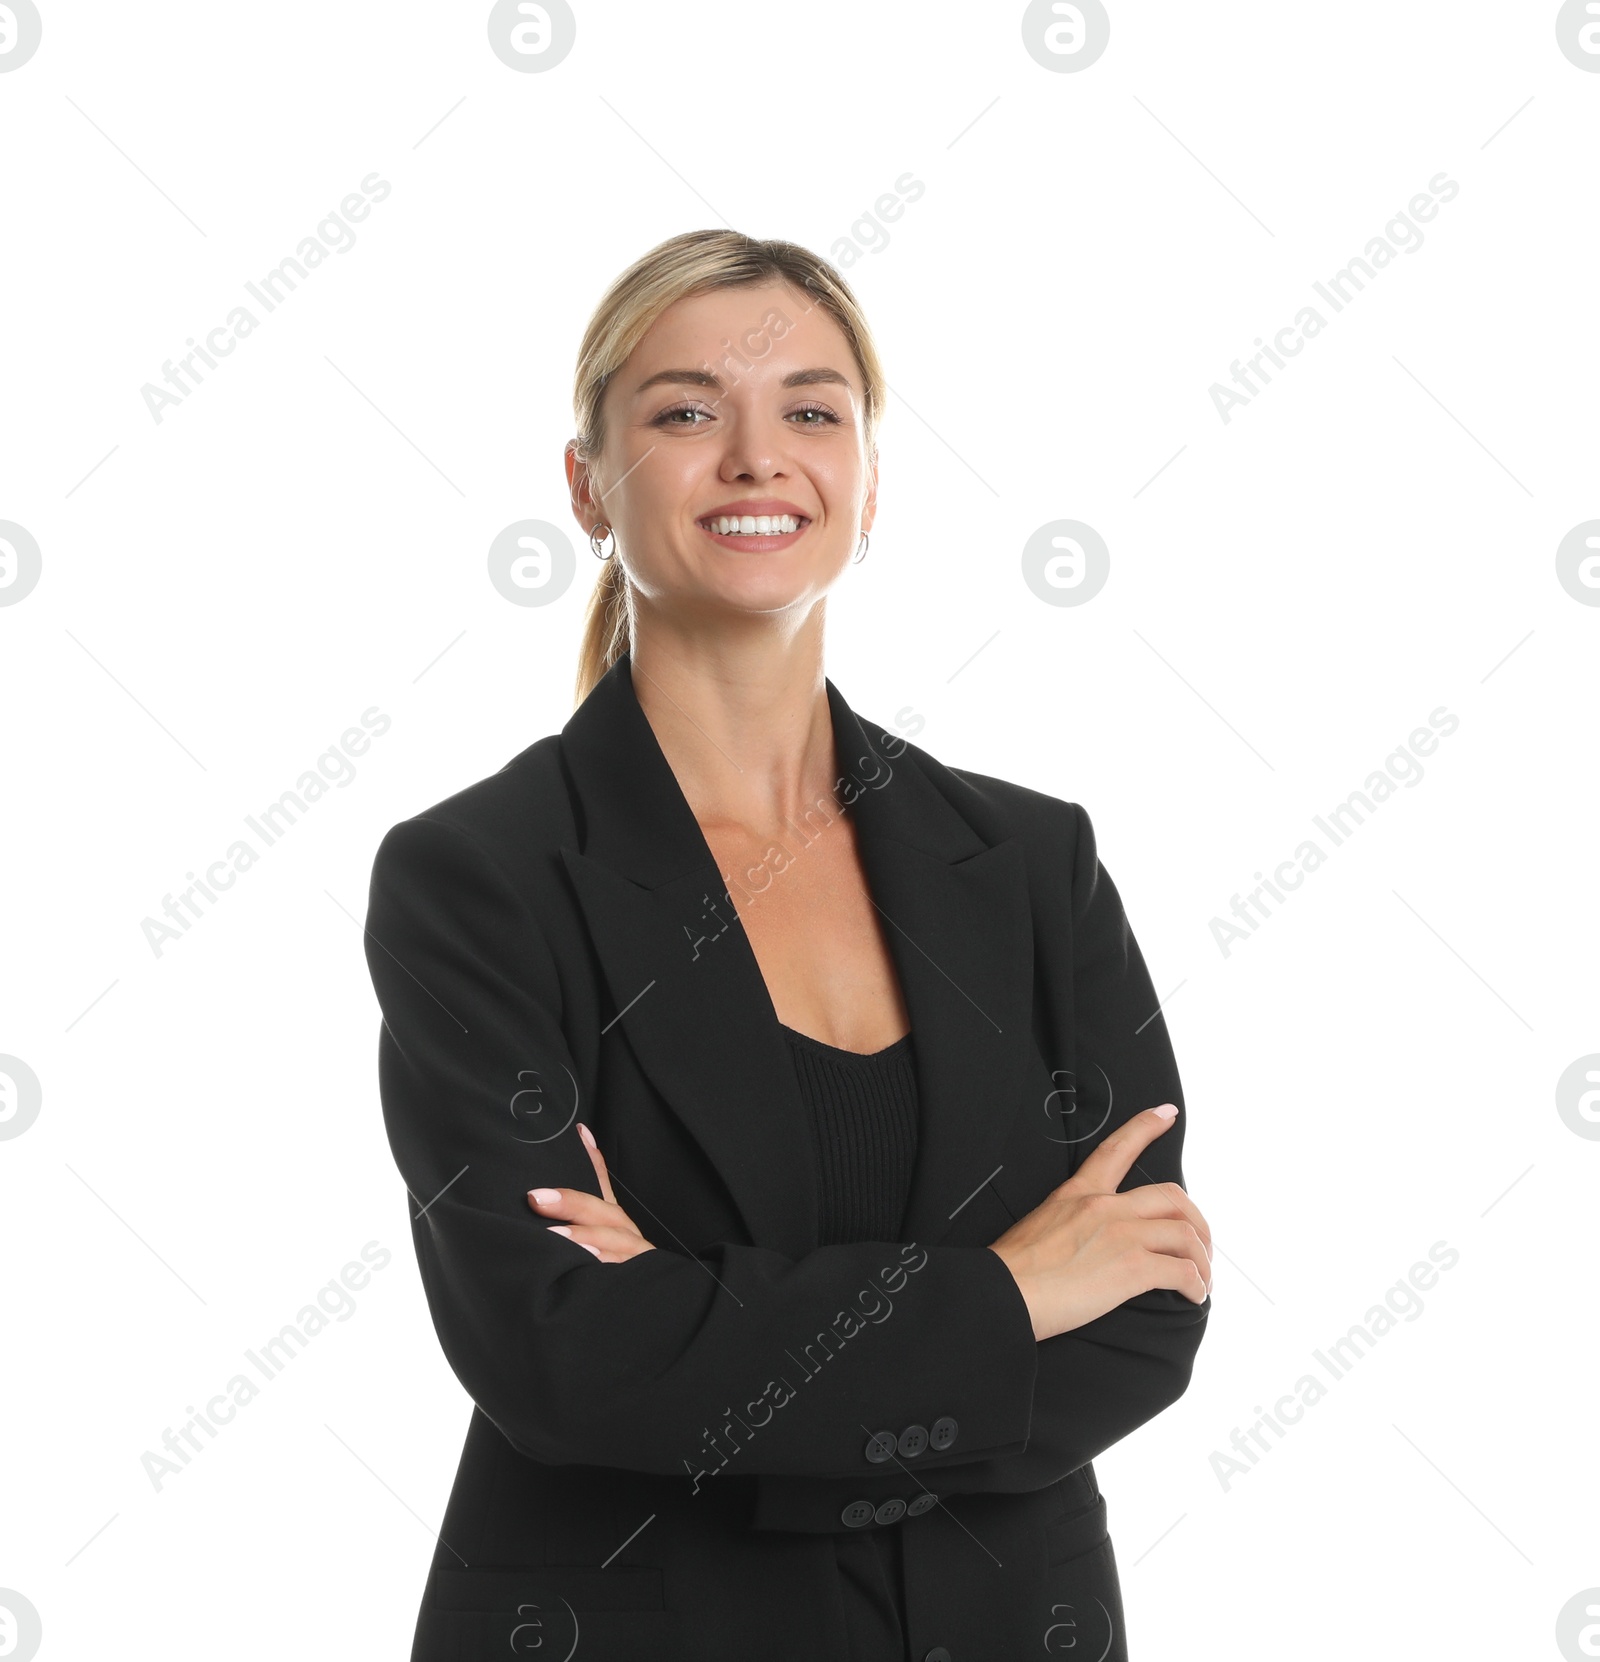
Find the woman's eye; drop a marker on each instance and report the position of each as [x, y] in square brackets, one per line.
[816, 415]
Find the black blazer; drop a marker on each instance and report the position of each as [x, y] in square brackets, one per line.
[663, 1450]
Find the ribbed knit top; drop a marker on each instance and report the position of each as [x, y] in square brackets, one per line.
[863, 1111]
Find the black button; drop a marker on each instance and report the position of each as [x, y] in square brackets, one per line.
[923, 1503]
[857, 1513]
[943, 1433]
[881, 1446]
[913, 1440]
[937, 1654]
[892, 1511]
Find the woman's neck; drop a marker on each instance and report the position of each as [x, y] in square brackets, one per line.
[744, 724]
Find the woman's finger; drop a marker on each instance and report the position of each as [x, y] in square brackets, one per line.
[611, 1246]
[1178, 1239]
[598, 1160]
[561, 1229]
[1168, 1200]
[1110, 1161]
[578, 1206]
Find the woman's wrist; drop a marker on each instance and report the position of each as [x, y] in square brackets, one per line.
[1022, 1287]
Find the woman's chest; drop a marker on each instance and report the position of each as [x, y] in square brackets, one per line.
[820, 941]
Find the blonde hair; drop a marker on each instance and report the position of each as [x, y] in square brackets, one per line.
[696, 262]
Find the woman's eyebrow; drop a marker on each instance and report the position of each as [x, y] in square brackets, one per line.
[703, 378]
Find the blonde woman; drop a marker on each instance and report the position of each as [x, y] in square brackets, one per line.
[791, 1130]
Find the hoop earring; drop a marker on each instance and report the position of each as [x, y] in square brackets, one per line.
[595, 540]
[861, 550]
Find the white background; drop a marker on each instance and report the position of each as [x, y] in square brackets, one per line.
[1373, 537]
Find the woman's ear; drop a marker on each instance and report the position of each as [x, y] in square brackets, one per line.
[586, 507]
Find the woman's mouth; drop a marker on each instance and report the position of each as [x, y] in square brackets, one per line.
[754, 533]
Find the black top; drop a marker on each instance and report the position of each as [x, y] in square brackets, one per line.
[863, 1112]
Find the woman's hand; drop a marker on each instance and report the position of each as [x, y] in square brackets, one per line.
[1085, 1249]
[598, 1224]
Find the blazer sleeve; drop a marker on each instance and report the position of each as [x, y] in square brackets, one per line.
[1103, 1380]
[667, 1362]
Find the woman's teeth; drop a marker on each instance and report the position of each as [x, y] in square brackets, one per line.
[752, 525]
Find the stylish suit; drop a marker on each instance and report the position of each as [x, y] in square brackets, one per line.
[665, 1452]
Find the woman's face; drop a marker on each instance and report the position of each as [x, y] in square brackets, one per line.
[740, 402]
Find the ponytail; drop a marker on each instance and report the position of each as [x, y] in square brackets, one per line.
[607, 629]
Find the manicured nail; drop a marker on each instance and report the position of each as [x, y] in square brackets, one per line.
[1167, 1111]
[583, 1131]
[544, 1197]
[561, 1229]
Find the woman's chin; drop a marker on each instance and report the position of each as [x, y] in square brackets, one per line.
[760, 591]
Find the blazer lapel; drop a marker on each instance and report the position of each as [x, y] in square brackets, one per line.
[693, 1005]
[958, 919]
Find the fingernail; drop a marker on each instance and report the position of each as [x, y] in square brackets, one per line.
[1167, 1111]
[587, 1248]
[561, 1229]
[583, 1131]
[544, 1197]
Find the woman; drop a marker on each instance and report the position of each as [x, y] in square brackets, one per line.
[766, 1090]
